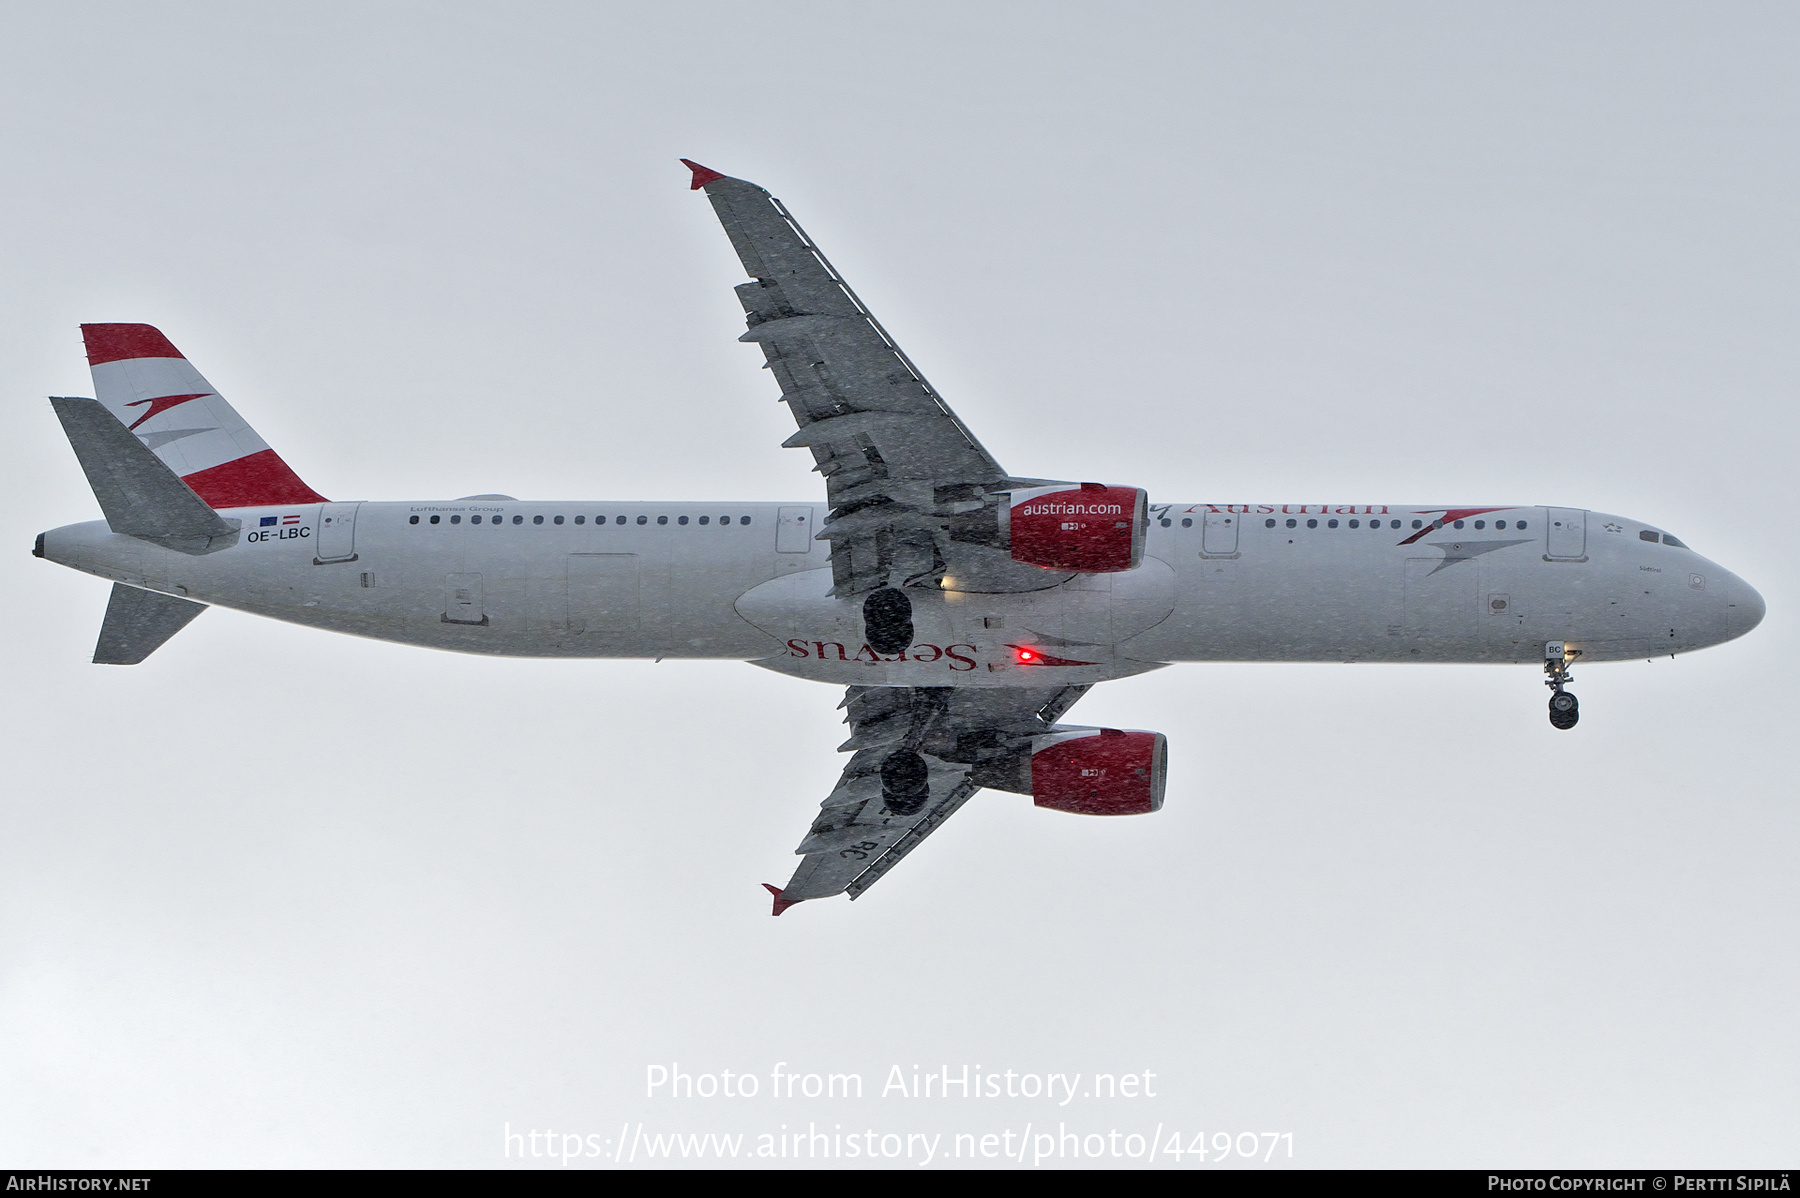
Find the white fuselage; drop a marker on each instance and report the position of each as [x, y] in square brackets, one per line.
[1218, 583]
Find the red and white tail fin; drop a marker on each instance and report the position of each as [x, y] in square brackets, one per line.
[145, 382]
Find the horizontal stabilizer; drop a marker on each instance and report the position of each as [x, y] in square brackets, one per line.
[138, 622]
[139, 494]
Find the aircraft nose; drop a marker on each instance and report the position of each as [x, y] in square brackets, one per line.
[1746, 608]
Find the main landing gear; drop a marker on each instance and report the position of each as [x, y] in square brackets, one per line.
[1565, 709]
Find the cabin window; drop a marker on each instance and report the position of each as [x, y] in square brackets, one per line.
[743, 519]
[1481, 524]
[706, 519]
[1499, 524]
[1519, 524]
[1394, 524]
[1187, 522]
[1418, 524]
[518, 519]
[1355, 524]
[1331, 524]
[681, 519]
[619, 520]
[1312, 524]
[435, 519]
[474, 519]
[1459, 524]
[581, 519]
[412, 520]
[1269, 523]
[557, 520]
[1293, 523]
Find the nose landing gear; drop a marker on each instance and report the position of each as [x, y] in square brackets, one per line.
[1565, 709]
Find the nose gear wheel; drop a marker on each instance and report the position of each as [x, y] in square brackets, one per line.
[1565, 708]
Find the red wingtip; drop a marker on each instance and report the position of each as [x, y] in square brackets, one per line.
[781, 904]
[702, 176]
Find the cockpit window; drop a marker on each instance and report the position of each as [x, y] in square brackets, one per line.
[1669, 540]
[1647, 535]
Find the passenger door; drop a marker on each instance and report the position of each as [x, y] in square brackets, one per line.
[1219, 534]
[337, 533]
[1565, 533]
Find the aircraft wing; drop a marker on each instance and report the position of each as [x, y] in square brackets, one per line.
[910, 487]
[919, 753]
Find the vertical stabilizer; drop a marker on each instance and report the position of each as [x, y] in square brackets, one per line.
[143, 380]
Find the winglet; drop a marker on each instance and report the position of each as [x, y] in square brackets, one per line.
[702, 176]
[781, 904]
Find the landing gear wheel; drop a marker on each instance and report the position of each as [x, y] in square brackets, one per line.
[1565, 711]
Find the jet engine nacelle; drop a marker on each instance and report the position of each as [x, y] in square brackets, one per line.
[1092, 528]
[1099, 771]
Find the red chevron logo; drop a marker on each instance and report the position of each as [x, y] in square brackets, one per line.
[162, 403]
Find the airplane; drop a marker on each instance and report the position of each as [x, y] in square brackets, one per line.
[963, 609]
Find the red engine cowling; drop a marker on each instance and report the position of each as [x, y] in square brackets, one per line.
[1093, 528]
[1099, 771]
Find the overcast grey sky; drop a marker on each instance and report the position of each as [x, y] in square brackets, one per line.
[279, 897]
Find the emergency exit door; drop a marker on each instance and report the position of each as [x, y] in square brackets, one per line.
[603, 592]
[793, 530]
